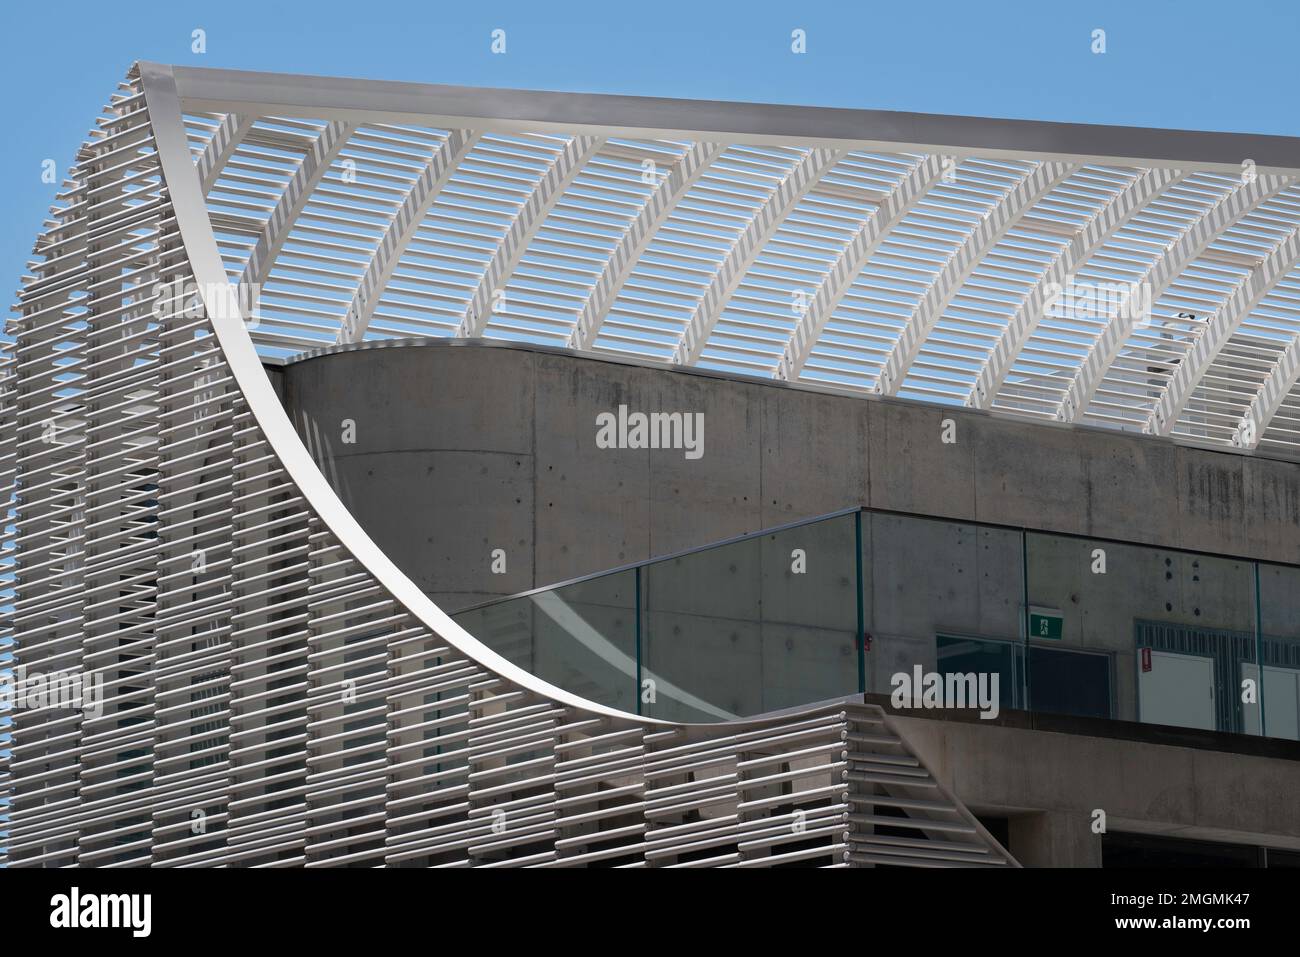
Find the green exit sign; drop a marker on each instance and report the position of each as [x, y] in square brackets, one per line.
[1045, 623]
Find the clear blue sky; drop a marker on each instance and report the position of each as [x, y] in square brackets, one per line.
[1191, 64]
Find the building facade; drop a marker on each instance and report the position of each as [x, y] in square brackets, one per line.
[302, 420]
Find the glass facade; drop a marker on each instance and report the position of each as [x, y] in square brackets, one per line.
[889, 604]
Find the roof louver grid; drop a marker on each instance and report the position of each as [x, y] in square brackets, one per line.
[998, 282]
[984, 278]
[315, 242]
[1036, 254]
[559, 268]
[1074, 326]
[650, 315]
[1178, 312]
[751, 328]
[1260, 312]
[840, 355]
[339, 229]
[890, 289]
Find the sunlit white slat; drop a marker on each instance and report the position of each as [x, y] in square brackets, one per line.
[559, 176]
[439, 169]
[1277, 385]
[746, 249]
[658, 206]
[1229, 210]
[293, 200]
[963, 261]
[1098, 231]
[1221, 327]
[852, 259]
[225, 140]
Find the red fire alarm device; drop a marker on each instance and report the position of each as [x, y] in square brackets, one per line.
[1146, 659]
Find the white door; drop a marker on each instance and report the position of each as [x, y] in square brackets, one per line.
[1281, 702]
[1178, 690]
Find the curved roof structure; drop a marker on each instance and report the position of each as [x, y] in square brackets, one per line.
[273, 691]
[1145, 279]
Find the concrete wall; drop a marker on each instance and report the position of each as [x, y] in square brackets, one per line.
[1049, 784]
[460, 450]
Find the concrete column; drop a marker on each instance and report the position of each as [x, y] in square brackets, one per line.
[1055, 839]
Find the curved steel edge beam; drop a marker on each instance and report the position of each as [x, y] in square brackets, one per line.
[559, 176]
[1177, 256]
[659, 205]
[1277, 385]
[794, 186]
[853, 258]
[1223, 325]
[225, 140]
[311, 170]
[963, 261]
[417, 202]
[1109, 220]
[232, 336]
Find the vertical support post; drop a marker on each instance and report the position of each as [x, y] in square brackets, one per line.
[637, 689]
[862, 633]
[1259, 656]
[1024, 621]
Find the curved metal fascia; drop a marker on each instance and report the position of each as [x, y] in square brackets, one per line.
[204, 258]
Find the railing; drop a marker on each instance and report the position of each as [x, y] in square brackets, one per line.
[887, 603]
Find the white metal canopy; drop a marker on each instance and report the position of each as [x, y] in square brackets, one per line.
[993, 263]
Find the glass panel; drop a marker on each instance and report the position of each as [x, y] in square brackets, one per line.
[1138, 633]
[580, 637]
[1279, 598]
[944, 598]
[752, 626]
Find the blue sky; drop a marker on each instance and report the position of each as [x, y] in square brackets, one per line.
[1189, 64]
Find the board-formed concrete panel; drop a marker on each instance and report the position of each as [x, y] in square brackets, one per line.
[773, 454]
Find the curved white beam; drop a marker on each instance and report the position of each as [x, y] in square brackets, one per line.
[270, 416]
[1190, 244]
[1222, 326]
[853, 258]
[559, 176]
[1098, 231]
[963, 261]
[659, 205]
[401, 230]
[289, 206]
[1279, 382]
[225, 140]
[745, 250]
